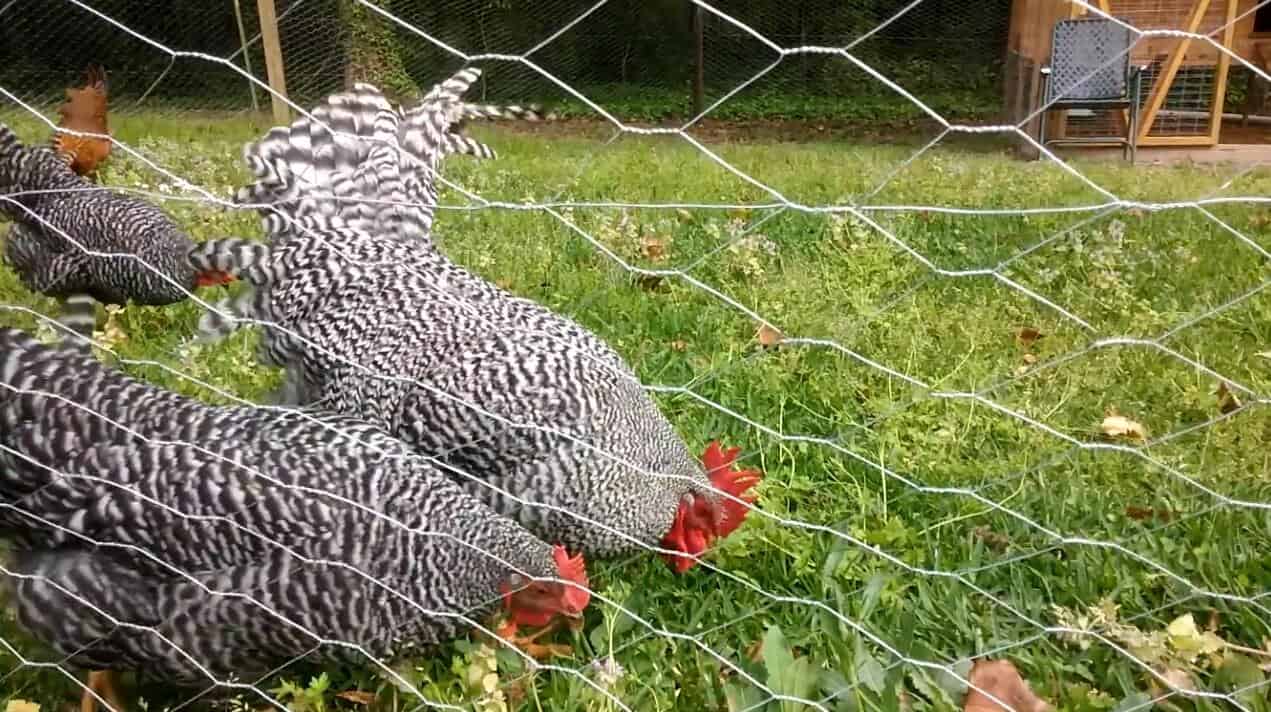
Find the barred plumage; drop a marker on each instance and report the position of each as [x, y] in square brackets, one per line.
[376, 322]
[60, 218]
[240, 538]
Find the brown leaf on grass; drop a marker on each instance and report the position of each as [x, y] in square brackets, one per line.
[754, 651]
[993, 540]
[21, 706]
[1227, 401]
[1139, 514]
[357, 697]
[651, 282]
[654, 248]
[1027, 336]
[1176, 680]
[1119, 426]
[768, 336]
[1000, 679]
[679, 345]
[515, 691]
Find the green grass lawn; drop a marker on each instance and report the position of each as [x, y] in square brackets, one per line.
[937, 489]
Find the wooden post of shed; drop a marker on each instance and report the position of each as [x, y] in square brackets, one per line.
[273, 60]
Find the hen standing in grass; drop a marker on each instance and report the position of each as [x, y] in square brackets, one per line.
[85, 113]
[59, 216]
[239, 539]
[535, 414]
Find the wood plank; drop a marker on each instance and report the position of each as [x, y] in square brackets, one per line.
[1161, 90]
[1193, 140]
[1019, 19]
[1224, 67]
[273, 60]
[1223, 153]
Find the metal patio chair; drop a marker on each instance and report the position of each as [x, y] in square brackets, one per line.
[1090, 69]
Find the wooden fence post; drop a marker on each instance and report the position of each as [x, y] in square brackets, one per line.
[273, 60]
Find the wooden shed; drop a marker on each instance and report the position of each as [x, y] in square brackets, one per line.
[1185, 81]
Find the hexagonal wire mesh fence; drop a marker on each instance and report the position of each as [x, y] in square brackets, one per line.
[1009, 415]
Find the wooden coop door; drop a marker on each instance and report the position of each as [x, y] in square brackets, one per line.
[1185, 81]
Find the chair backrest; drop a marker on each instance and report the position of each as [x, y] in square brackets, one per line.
[1089, 59]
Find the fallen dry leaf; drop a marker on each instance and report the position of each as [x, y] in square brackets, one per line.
[654, 248]
[515, 691]
[1227, 401]
[1027, 336]
[1119, 426]
[994, 540]
[651, 282]
[1141, 513]
[357, 697]
[768, 336]
[21, 706]
[755, 651]
[679, 345]
[1000, 679]
[1179, 680]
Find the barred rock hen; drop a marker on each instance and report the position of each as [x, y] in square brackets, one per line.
[371, 319]
[84, 113]
[240, 537]
[141, 254]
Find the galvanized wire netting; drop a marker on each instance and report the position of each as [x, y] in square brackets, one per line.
[629, 53]
[1007, 410]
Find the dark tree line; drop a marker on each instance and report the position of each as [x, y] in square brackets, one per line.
[644, 43]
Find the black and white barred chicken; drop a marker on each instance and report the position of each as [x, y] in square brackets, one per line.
[239, 538]
[538, 416]
[71, 239]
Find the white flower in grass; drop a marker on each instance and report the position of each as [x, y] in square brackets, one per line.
[608, 671]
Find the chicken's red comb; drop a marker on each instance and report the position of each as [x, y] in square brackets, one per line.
[719, 467]
[573, 569]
